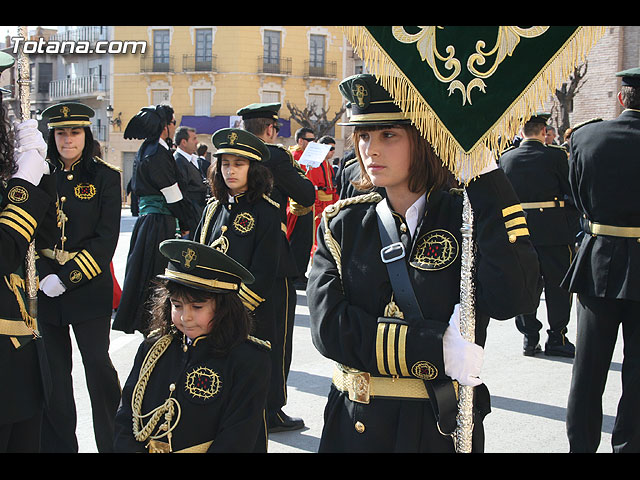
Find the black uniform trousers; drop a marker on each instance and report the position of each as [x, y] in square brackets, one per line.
[60, 420]
[599, 320]
[302, 242]
[21, 437]
[284, 299]
[554, 262]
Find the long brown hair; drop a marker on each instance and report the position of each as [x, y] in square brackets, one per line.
[259, 181]
[231, 324]
[426, 169]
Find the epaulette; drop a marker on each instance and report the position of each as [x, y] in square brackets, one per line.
[582, 124]
[559, 147]
[261, 343]
[271, 200]
[282, 147]
[332, 210]
[349, 162]
[112, 167]
[508, 150]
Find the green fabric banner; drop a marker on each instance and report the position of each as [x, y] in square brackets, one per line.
[466, 85]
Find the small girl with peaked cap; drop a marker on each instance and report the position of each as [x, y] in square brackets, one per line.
[199, 381]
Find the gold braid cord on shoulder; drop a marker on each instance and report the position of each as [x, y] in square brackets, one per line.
[166, 410]
[205, 226]
[331, 211]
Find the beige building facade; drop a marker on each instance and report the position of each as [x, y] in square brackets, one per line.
[206, 73]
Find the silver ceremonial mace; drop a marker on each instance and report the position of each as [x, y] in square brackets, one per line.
[24, 86]
[464, 419]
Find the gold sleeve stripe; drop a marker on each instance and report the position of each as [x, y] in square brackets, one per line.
[402, 350]
[516, 221]
[251, 293]
[247, 299]
[23, 213]
[82, 257]
[14, 226]
[92, 261]
[18, 219]
[249, 307]
[380, 349]
[87, 270]
[391, 349]
[519, 232]
[511, 210]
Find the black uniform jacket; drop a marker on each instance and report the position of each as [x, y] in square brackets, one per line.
[249, 233]
[289, 182]
[196, 189]
[604, 168]
[155, 169]
[91, 209]
[347, 299]
[221, 399]
[540, 173]
[26, 212]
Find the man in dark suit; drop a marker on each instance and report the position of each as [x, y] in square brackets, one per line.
[186, 143]
[203, 163]
[539, 174]
[603, 172]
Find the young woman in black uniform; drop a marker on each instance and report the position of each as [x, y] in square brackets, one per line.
[394, 388]
[76, 286]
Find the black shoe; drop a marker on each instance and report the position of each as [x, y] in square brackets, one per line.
[531, 350]
[558, 345]
[530, 345]
[281, 422]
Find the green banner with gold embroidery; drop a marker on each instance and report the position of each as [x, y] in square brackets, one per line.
[466, 88]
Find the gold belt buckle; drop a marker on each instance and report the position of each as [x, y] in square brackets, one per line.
[360, 387]
[62, 256]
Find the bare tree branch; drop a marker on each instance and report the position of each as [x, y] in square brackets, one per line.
[311, 118]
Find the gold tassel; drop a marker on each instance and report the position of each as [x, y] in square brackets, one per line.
[557, 70]
[16, 284]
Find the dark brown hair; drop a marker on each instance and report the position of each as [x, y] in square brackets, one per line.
[426, 169]
[231, 324]
[259, 181]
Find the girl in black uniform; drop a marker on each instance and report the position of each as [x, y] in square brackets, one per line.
[394, 389]
[76, 286]
[199, 381]
[243, 221]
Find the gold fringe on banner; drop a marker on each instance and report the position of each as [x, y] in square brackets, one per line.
[406, 96]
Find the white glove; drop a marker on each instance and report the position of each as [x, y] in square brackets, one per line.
[462, 359]
[30, 152]
[28, 137]
[31, 166]
[52, 286]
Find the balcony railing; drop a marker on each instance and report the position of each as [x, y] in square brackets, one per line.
[276, 66]
[77, 87]
[156, 64]
[191, 63]
[326, 70]
[100, 132]
[90, 34]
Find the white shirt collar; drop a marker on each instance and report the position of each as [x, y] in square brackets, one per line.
[163, 143]
[415, 213]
